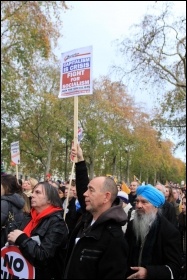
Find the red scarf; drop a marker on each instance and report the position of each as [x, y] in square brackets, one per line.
[36, 217]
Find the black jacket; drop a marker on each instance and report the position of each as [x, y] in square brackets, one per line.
[72, 215]
[13, 203]
[132, 200]
[17, 202]
[101, 252]
[48, 257]
[168, 211]
[161, 249]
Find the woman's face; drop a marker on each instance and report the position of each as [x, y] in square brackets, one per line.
[2, 190]
[166, 193]
[61, 194]
[184, 205]
[26, 186]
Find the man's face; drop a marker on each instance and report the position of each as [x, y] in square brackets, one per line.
[39, 200]
[133, 186]
[74, 190]
[144, 216]
[94, 197]
[175, 194]
[143, 206]
[160, 188]
[70, 191]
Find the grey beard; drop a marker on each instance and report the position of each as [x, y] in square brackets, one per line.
[142, 223]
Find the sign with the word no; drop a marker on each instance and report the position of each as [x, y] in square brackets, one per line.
[14, 265]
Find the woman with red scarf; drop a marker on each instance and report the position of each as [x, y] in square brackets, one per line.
[42, 235]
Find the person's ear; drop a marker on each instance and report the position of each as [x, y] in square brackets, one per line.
[107, 197]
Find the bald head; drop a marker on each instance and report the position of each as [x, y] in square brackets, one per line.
[110, 186]
[100, 195]
[106, 184]
[161, 188]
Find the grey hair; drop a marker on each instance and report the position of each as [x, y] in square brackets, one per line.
[163, 188]
[51, 193]
[110, 185]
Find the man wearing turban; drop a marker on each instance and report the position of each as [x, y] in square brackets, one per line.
[154, 242]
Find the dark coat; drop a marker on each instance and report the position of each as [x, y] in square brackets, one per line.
[132, 200]
[182, 230]
[72, 215]
[17, 202]
[13, 203]
[101, 252]
[168, 210]
[48, 257]
[161, 249]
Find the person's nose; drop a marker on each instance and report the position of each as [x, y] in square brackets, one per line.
[85, 193]
[139, 204]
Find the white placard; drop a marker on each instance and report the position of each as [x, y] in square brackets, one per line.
[15, 152]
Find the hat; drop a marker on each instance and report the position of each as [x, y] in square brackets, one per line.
[151, 194]
[124, 196]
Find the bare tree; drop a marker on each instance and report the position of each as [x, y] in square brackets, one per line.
[155, 56]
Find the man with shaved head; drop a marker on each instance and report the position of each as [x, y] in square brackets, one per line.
[97, 248]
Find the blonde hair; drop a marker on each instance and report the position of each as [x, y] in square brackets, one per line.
[33, 182]
[27, 205]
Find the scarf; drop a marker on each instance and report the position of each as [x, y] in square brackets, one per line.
[37, 217]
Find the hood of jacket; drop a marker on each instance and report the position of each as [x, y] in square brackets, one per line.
[15, 199]
[115, 213]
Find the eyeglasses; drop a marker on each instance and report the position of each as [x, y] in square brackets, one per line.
[133, 185]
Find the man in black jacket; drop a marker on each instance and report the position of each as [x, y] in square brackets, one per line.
[97, 247]
[154, 242]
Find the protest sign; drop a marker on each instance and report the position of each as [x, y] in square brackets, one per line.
[76, 73]
[14, 265]
[15, 152]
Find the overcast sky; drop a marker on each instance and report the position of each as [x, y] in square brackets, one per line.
[99, 24]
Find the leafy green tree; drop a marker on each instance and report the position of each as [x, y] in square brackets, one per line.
[3, 172]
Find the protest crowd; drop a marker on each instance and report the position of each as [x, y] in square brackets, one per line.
[94, 229]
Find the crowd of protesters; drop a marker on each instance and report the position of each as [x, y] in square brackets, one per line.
[91, 229]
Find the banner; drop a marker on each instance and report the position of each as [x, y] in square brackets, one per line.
[76, 73]
[137, 180]
[15, 152]
[14, 265]
[125, 188]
